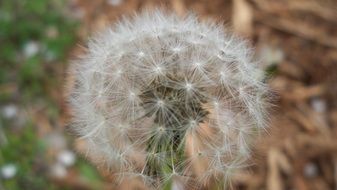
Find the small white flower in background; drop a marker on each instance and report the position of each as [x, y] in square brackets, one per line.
[30, 49]
[319, 105]
[58, 170]
[115, 2]
[8, 171]
[9, 111]
[162, 98]
[310, 170]
[66, 158]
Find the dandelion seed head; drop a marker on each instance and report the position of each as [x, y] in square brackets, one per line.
[169, 90]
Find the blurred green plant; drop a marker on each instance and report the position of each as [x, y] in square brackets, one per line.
[35, 36]
[25, 152]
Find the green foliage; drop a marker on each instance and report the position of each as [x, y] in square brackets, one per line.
[33, 22]
[26, 152]
[35, 36]
[88, 172]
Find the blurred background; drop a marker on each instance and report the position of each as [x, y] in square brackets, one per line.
[295, 40]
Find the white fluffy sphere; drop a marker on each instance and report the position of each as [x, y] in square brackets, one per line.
[161, 97]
